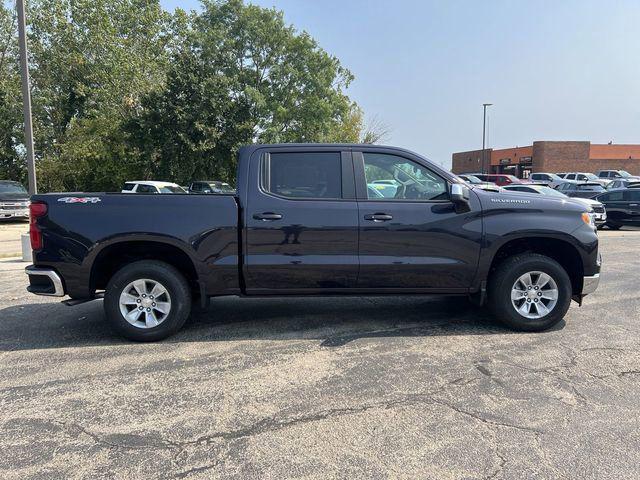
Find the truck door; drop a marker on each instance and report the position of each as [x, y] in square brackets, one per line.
[411, 236]
[632, 204]
[301, 221]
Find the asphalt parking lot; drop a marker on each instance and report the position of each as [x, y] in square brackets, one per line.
[398, 387]
[10, 231]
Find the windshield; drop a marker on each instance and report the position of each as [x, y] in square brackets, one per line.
[624, 173]
[591, 176]
[513, 178]
[170, 189]
[471, 179]
[12, 188]
[550, 191]
[554, 176]
[590, 187]
[222, 187]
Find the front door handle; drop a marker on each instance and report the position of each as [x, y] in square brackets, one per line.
[378, 217]
[267, 216]
[633, 204]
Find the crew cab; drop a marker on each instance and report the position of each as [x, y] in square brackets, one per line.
[623, 206]
[305, 222]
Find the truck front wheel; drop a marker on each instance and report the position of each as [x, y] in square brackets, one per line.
[147, 301]
[529, 292]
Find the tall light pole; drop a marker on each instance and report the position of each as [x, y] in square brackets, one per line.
[484, 125]
[26, 97]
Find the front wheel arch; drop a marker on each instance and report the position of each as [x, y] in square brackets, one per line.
[561, 251]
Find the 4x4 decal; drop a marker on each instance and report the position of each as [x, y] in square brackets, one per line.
[79, 199]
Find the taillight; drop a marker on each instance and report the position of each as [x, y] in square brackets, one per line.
[36, 210]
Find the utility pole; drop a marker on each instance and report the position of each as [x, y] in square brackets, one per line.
[484, 124]
[26, 97]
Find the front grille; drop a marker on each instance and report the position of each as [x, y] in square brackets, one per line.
[12, 206]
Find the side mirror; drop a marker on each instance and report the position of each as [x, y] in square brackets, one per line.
[459, 195]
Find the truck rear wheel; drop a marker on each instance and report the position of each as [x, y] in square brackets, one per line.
[529, 292]
[147, 301]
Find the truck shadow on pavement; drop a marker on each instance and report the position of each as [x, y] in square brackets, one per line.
[333, 321]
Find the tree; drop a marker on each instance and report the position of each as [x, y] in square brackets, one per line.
[12, 159]
[122, 89]
[242, 76]
[91, 62]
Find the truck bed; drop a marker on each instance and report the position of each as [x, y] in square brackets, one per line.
[80, 228]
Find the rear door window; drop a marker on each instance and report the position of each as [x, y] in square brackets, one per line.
[303, 175]
[612, 197]
[632, 195]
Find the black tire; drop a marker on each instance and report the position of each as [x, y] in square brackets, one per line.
[174, 283]
[614, 226]
[503, 279]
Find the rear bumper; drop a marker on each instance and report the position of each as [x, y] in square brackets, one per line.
[44, 281]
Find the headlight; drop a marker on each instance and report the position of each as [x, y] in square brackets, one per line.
[589, 219]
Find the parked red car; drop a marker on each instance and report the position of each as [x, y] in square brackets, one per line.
[499, 179]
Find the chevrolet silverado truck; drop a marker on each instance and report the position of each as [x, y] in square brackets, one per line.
[309, 219]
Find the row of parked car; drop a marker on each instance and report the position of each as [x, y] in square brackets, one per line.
[200, 186]
[613, 195]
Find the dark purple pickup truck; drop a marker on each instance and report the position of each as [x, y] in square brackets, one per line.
[313, 219]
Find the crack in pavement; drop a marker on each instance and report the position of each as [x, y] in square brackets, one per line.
[488, 421]
[273, 424]
[110, 440]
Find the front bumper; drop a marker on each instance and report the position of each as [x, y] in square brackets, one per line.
[44, 281]
[590, 284]
[600, 218]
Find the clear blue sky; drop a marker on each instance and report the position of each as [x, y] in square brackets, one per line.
[555, 70]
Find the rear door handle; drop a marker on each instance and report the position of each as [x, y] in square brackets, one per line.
[378, 217]
[633, 204]
[267, 216]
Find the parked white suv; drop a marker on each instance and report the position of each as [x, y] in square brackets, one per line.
[151, 186]
[585, 177]
[550, 179]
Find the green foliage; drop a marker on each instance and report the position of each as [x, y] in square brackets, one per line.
[123, 89]
[12, 163]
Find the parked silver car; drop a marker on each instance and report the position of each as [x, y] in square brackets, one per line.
[598, 212]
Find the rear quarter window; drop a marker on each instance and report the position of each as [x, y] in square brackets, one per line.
[129, 186]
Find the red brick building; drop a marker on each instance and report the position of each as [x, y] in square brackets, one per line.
[545, 156]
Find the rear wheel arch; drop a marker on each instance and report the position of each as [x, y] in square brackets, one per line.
[115, 256]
